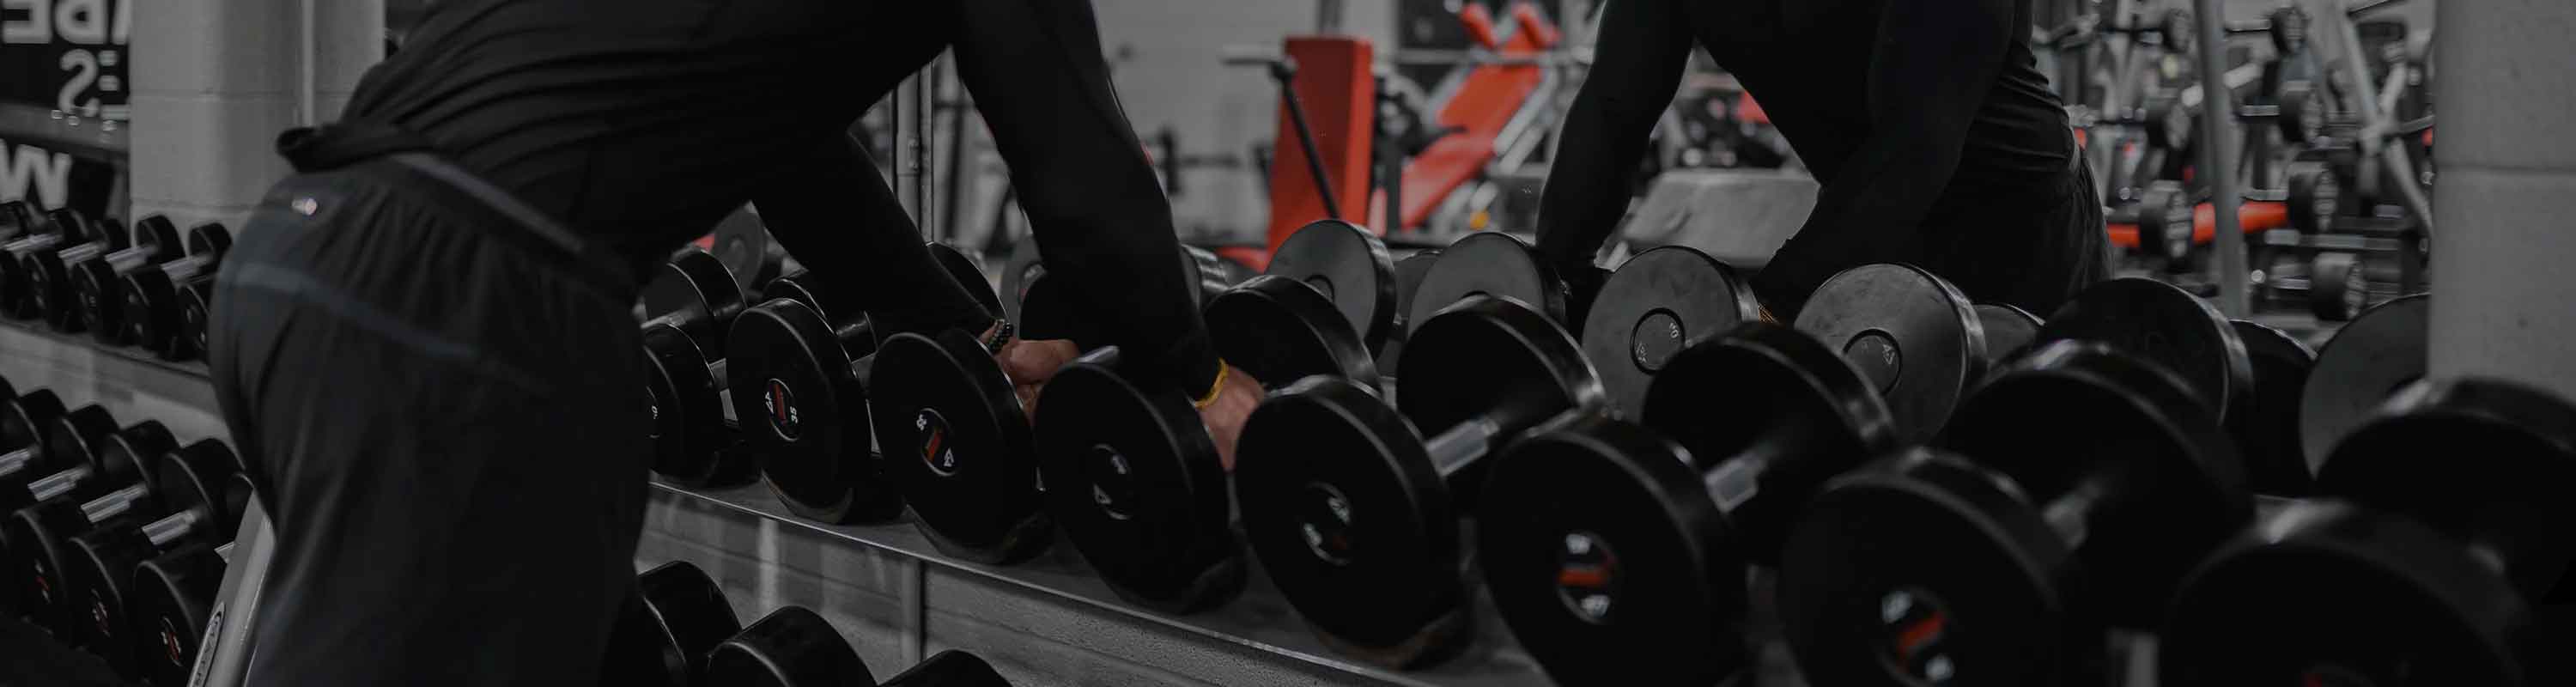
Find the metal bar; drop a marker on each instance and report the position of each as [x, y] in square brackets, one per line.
[2217, 113]
[1284, 71]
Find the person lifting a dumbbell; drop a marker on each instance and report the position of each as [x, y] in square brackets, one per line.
[423, 341]
[1937, 141]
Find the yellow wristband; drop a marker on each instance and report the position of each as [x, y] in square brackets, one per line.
[1213, 388]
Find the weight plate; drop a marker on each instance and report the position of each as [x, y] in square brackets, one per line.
[792, 647]
[2315, 195]
[689, 432]
[1018, 274]
[1490, 263]
[1654, 305]
[1278, 330]
[24, 420]
[2163, 324]
[1347, 513]
[951, 668]
[2504, 495]
[2338, 286]
[2268, 430]
[674, 615]
[195, 302]
[2330, 593]
[960, 446]
[2165, 216]
[1408, 280]
[1138, 486]
[1349, 266]
[2008, 329]
[968, 269]
[1925, 569]
[173, 595]
[697, 294]
[802, 411]
[1604, 553]
[1913, 336]
[2373, 356]
[743, 246]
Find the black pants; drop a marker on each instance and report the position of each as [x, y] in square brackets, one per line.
[2035, 257]
[443, 417]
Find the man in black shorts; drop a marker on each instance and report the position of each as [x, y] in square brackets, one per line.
[1936, 139]
[423, 342]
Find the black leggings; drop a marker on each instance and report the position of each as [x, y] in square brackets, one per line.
[444, 421]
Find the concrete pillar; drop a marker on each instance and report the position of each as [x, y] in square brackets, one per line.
[216, 80]
[2506, 202]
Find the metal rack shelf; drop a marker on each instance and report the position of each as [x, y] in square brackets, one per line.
[1252, 621]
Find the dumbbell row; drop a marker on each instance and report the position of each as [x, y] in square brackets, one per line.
[148, 288]
[113, 538]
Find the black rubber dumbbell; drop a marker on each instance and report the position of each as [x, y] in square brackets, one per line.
[49, 276]
[1137, 485]
[2069, 495]
[35, 531]
[2007, 327]
[674, 617]
[24, 420]
[1608, 543]
[801, 368]
[1409, 272]
[58, 229]
[172, 601]
[1354, 507]
[16, 220]
[197, 493]
[147, 299]
[98, 283]
[2174, 330]
[1655, 303]
[793, 647]
[2431, 559]
[693, 301]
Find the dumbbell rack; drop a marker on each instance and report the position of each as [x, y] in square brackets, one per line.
[885, 584]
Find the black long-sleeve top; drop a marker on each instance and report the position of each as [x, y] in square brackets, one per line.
[1903, 109]
[642, 122]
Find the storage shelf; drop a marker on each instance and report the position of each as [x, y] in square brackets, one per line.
[1250, 620]
[124, 355]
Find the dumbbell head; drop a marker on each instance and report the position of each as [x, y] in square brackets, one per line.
[1607, 544]
[674, 617]
[68, 503]
[1651, 307]
[802, 406]
[200, 493]
[173, 595]
[2008, 329]
[2315, 194]
[16, 219]
[1354, 512]
[1351, 268]
[150, 310]
[694, 292]
[196, 304]
[2412, 574]
[2267, 430]
[1491, 263]
[1409, 272]
[2289, 29]
[792, 647]
[687, 411]
[2090, 480]
[49, 276]
[2164, 325]
[24, 421]
[2165, 223]
[2371, 357]
[1915, 338]
[98, 295]
[1137, 485]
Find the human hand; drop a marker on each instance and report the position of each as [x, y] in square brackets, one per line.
[1030, 363]
[1236, 394]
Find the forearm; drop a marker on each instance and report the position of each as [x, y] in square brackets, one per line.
[1587, 194]
[838, 216]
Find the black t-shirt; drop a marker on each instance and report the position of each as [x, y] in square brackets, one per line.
[1911, 113]
[643, 122]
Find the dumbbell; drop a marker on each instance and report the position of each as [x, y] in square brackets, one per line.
[2370, 357]
[2405, 575]
[197, 494]
[98, 284]
[1409, 272]
[34, 533]
[803, 370]
[1354, 508]
[1653, 305]
[1611, 544]
[2007, 328]
[58, 229]
[692, 300]
[793, 647]
[49, 285]
[2184, 335]
[2165, 223]
[2315, 191]
[1491, 263]
[16, 219]
[173, 595]
[2271, 421]
[1136, 483]
[2069, 495]
[1607, 542]
[147, 301]
[674, 616]
[24, 420]
[2338, 286]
